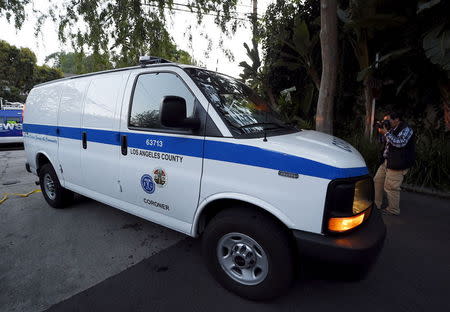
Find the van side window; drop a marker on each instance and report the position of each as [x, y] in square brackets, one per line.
[149, 91]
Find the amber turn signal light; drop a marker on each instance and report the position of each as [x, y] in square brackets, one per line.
[347, 223]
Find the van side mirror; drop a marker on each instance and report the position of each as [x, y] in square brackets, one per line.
[173, 114]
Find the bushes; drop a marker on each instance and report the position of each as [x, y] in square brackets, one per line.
[432, 165]
[369, 150]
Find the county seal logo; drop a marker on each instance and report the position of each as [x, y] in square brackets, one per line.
[160, 177]
[147, 184]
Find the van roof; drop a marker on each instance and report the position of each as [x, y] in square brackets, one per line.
[117, 70]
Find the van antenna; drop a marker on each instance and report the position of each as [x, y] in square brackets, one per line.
[265, 132]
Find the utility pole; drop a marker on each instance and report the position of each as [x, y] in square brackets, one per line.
[372, 114]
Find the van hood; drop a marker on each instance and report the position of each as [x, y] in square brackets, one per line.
[318, 147]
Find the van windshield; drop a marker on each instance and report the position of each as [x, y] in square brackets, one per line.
[245, 112]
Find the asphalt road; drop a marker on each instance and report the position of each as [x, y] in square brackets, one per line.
[48, 255]
[92, 257]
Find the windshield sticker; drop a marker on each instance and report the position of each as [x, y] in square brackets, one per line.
[160, 177]
[147, 184]
[156, 155]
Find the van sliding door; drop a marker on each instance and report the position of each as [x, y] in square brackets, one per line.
[69, 125]
[100, 134]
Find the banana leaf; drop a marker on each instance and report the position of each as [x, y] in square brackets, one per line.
[436, 44]
[425, 5]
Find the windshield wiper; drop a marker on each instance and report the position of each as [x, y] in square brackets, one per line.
[256, 124]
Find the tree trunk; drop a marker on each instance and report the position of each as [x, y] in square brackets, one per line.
[254, 20]
[329, 45]
[362, 52]
[272, 100]
[368, 98]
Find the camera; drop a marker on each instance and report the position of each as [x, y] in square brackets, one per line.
[383, 124]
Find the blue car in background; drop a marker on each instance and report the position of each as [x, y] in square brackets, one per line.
[11, 122]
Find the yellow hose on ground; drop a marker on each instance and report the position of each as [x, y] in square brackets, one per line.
[7, 195]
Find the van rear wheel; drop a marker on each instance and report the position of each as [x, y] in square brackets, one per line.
[55, 195]
[248, 253]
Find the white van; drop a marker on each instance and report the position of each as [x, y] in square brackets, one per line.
[199, 152]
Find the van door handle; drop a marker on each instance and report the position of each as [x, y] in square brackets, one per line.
[124, 144]
[84, 139]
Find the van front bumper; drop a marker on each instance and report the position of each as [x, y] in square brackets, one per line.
[361, 246]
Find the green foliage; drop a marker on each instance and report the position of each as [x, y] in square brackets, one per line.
[79, 62]
[127, 29]
[436, 44]
[409, 78]
[426, 4]
[362, 19]
[436, 37]
[182, 57]
[291, 56]
[304, 123]
[432, 166]
[295, 109]
[384, 60]
[17, 65]
[369, 150]
[14, 9]
[304, 105]
[19, 72]
[45, 73]
[251, 74]
[300, 51]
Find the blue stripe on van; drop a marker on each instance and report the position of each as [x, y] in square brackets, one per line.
[215, 150]
[68, 132]
[259, 157]
[173, 145]
[40, 129]
[102, 136]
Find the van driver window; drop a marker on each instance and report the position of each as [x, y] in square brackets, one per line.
[148, 94]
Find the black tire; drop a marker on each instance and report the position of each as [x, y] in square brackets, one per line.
[60, 197]
[264, 231]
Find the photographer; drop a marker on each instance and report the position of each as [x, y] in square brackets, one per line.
[398, 157]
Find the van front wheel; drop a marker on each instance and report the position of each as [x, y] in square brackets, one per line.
[248, 253]
[55, 195]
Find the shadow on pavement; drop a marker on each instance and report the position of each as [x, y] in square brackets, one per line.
[412, 274]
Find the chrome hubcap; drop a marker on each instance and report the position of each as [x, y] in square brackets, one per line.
[49, 186]
[242, 258]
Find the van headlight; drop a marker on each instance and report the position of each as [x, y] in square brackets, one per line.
[363, 197]
[349, 203]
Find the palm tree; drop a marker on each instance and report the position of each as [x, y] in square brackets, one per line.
[361, 20]
[301, 51]
[436, 45]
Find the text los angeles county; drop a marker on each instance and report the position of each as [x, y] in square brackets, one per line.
[156, 155]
